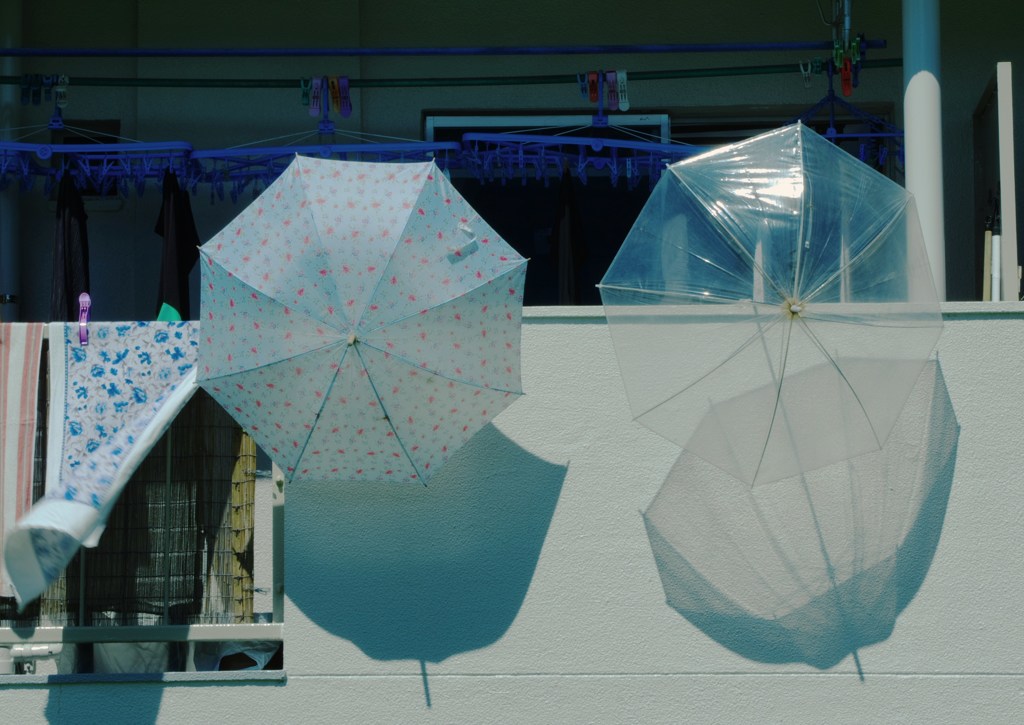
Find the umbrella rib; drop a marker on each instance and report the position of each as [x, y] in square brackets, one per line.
[417, 313]
[778, 397]
[320, 410]
[387, 416]
[842, 375]
[312, 215]
[426, 166]
[416, 365]
[868, 248]
[413, 364]
[806, 210]
[276, 361]
[830, 570]
[726, 271]
[736, 247]
[680, 295]
[867, 323]
[747, 343]
[792, 569]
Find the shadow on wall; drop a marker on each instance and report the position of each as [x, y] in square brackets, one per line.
[423, 572]
[75, 703]
[814, 567]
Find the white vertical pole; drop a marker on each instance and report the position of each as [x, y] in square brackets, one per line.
[997, 265]
[922, 119]
[1007, 187]
[277, 578]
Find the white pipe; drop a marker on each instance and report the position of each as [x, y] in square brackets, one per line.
[34, 651]
[997, 262]
[922, 119]
[277, 577]
[1006, 221]
[846, 24]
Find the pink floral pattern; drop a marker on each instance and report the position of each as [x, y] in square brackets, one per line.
[361, 320]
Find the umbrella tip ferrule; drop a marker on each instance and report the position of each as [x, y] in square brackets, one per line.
[352, 339]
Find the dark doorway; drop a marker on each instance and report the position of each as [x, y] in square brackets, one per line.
[569, 230]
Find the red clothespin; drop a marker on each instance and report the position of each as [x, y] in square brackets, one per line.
[846, 76]
[84, 306]
[592, 86]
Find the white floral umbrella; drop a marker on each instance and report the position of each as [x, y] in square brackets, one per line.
[361, 320]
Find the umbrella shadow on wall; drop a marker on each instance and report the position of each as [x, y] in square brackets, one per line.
[814, 567]
[423, 572]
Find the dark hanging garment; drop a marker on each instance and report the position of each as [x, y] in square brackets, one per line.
[181, 250]
[567, 243]
[70, 253]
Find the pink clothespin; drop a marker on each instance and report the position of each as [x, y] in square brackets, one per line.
[84, 305]
[613, 90]
[623, 88]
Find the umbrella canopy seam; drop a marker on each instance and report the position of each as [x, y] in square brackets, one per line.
[714, 211]
[387, 417]
[869, 248]
[759, 335]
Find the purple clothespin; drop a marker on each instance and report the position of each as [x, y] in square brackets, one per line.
[84, 305]
[346, 96]
[613, 90]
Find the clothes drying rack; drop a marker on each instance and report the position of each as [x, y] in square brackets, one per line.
[877, 140]
[126, 167]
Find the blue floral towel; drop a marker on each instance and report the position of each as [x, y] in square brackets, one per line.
[111, 400]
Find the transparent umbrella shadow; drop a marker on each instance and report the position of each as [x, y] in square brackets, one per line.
[423, 572]
[814, 567]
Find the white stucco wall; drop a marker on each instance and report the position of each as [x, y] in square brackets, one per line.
[524, 568]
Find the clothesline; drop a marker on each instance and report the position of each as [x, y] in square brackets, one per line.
[123, 167]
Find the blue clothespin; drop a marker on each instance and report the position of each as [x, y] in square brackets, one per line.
[84, 305]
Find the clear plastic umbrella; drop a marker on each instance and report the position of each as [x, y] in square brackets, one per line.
[361, 320]
[772, 306]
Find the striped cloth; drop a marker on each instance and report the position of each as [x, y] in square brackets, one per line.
[20, 357]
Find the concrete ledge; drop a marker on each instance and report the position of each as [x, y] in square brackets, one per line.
[247, 677]
[594, 314]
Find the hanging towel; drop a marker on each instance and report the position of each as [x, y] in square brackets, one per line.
[181, 250]
[70, 252]
[111, 400]
[21, 346]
